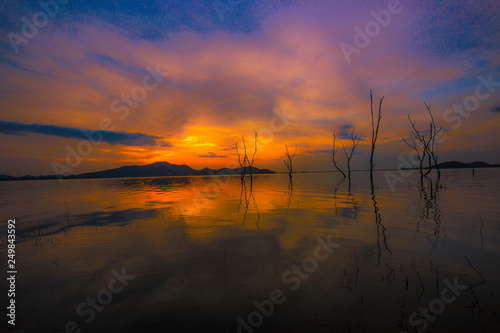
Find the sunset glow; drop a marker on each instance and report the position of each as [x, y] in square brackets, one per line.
[250, 166]
[214, 85]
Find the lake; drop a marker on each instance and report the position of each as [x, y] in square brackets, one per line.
[215, 254]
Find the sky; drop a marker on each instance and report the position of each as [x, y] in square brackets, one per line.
[102, 84]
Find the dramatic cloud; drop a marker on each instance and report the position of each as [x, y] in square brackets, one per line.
[121, 138]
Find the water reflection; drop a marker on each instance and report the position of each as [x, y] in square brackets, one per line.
[247, 194]
[428, 208]
[378, 222]
[290, 191]
[203, 253]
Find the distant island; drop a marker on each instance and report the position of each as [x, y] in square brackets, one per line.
[157, 169]
[461, 165]
[163, 169]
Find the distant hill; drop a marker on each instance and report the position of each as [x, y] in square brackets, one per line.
[461, 165]
[158, 169]
[161, 169]
[150, 170]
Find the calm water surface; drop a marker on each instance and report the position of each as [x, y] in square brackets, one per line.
[204, 251]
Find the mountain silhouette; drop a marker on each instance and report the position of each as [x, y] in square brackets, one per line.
[157, 169]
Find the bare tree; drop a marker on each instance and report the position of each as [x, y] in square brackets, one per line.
[242, 162]
[334, 152]
[243, 159]
[355, 142]
[289, 160]
[433, 134]
[374, 130]
[425, 147]
[416, 139]
[250, 163]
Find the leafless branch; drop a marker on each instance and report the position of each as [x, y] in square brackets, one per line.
[240, 161]
[243, 159]
[434, 132]
[334, 152]
[375, 130]
[427, 145]
[250, 163]
[289, 160]
[355, 141]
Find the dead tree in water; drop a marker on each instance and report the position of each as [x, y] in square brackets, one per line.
[374, 131]
[250, 163]
[289, 160]
[355, 141]
[334, 152]
[416, 140]
[427, 145]
[432, 145]
[245, 161]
